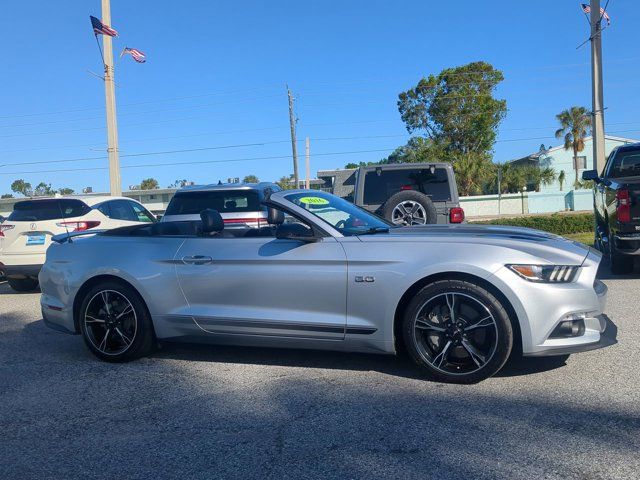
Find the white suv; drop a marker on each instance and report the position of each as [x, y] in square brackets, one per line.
[26, 233]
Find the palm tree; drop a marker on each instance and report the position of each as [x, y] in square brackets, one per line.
[473, 171]
[561, 178]
[575, 125]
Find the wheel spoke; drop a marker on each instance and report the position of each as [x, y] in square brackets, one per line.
[126, 339]
[90, 319]
[415, 208]
[402, 209]
[105, 298]
[128, 309]
[439, 359]
[475, 355]
[103, 343]
[485, 322]
[451, 303]
[423, 324]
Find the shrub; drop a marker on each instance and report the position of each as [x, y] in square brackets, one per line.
[556, 223]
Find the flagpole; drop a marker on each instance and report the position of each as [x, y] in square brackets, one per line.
[597, 119]
[115, 183]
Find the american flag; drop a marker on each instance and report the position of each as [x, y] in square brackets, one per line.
[587, 9]
[100, 28]
[136, 54]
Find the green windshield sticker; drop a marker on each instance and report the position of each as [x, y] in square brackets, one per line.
[314, 201]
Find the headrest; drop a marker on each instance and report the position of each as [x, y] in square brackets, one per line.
[275, 216]
[211, 221]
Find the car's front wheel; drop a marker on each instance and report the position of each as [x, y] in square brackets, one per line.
[115, 323]
[457, 331]
[23, 284]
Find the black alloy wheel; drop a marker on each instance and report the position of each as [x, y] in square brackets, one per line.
[115, 323]
[458, 331]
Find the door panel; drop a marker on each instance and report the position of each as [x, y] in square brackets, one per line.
[265, 286]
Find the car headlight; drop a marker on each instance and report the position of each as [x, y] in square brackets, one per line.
[546, 273]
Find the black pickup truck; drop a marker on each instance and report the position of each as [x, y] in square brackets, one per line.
[617, 207]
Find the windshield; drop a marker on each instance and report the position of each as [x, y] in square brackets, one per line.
[339, 213]
[625, 164]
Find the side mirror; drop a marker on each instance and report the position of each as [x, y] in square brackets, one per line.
[295, 231]
[590, 175]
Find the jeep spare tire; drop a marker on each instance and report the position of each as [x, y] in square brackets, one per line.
[409, 207]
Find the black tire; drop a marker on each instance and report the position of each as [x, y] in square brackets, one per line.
[492, 343]
[426, 210]
[97, 315]
[23, 284]
[619, 264]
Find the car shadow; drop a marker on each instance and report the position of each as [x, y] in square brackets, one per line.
[400, 365]
[5, 289]
[604, 271]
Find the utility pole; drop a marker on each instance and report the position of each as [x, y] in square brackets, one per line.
[294, 145]
[307, 154]
[597, 125]
[115, 183]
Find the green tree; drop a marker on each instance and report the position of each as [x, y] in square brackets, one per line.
[43, 190]
[6, 195]
[561, 178]
[65, 191]
[250, 179]
[456, 109]
[286, 183]
[22, 187]
[473, 171]
[149, 184]
[575, 125]
[417, 150]
[178, 184]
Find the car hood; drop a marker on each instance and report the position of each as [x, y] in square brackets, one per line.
[547, 246]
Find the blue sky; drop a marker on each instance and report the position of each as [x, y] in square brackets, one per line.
[216, 75]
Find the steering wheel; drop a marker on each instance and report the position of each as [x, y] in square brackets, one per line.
[341, 224]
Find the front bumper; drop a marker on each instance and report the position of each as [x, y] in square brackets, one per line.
[542, 307]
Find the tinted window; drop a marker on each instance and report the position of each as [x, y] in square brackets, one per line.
[54, 209]
[142, 214]
[121, 210]
[379, 187]
[625, 164]
[192, 203]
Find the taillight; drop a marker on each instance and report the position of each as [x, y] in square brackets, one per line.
[406, 187]
[4, 228]
[456, 215]
[79, 226]
[623, 209]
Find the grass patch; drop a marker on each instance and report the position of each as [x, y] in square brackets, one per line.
[586, 237]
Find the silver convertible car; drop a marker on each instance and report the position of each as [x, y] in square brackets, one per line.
[326, 274]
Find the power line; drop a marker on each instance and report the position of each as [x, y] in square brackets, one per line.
[196, 162]
[164, 100]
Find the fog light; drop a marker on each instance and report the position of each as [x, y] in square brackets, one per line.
[571, 325]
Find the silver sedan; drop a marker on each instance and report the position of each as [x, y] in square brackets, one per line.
[326, 274]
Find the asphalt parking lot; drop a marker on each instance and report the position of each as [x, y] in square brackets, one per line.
[211, 412]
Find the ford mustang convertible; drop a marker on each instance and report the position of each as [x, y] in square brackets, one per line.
[325, 274]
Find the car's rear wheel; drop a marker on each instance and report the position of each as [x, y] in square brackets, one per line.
[457, 331]
[23, 284]
[115, 323]
[619, 264]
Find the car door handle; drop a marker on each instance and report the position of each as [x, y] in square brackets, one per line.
[197, 260]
